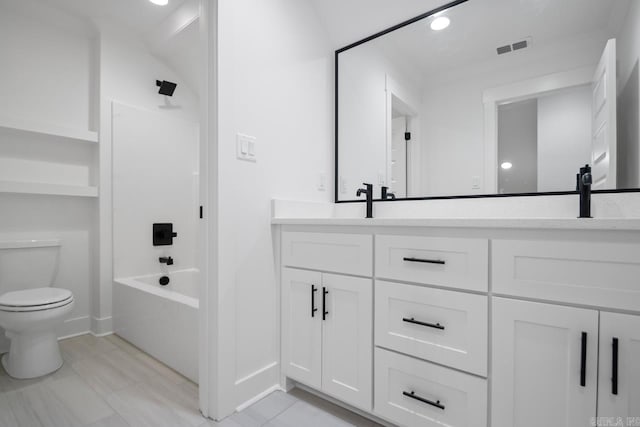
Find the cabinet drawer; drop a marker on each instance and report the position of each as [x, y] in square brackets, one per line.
[462, 398]
[455, 263]
[340, 253]
[445, 327]
[599, 274]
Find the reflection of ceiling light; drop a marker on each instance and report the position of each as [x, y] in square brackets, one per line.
[506, 165]
[440, 23]
[160, 2]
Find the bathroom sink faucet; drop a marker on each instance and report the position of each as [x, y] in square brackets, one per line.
[386, 194]
[368, 190]
[585, 179]
[166, 260]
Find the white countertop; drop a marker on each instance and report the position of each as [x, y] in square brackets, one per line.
[622, 224]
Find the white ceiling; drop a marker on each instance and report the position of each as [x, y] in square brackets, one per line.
[138, 16]
[478, 27]
[348, 21]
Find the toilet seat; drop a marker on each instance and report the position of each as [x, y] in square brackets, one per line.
[35, 299]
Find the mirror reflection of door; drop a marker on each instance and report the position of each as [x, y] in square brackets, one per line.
[398, 184]
[546, 137]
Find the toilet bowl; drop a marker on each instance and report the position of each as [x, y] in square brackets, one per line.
[31, 310]
[30, 319]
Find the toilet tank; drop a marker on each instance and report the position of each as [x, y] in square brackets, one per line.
[28, 264]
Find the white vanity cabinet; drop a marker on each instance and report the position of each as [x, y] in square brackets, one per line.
[487, 327]
[327, 322]
[619, 367]
[545, 364]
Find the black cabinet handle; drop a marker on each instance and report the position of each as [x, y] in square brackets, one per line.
[324, 303]
[428, 325]
[583, 361]
[313, 300]
[614, 368]
[412, 395]
[424, 261]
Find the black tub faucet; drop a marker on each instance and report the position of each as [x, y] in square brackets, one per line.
[585, 179]
[386, 194]
[166, 260]
[368, 190]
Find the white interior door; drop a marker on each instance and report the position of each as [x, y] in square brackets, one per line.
[537, 363]
[347, 345]
[603, 113]
[398, 184]
[621, 331]
[302, 327]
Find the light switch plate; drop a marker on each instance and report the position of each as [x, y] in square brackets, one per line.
[475, 182]
[246, 148]
[322, 181]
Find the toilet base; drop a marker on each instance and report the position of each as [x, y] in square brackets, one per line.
[32, 354]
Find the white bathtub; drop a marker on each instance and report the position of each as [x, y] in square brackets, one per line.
[161, 320]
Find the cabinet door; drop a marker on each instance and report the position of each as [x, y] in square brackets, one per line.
[347, 339]
[619, 386]
[302, 328]
[544, 362]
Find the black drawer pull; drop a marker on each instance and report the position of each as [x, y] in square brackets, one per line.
[313, 300]
[324, 303]
[412, 395]
[424, 261]
[614, 368]
[583, 360]
[428, 325]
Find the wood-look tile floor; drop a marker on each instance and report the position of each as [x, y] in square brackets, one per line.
[107, 382]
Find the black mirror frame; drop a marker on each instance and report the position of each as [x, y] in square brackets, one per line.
[473, 196]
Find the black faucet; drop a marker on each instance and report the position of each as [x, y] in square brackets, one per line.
[585, 180]
[369, 192]
[166, 260]
[386, 194]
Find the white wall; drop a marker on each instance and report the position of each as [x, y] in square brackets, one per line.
[564, 138]
[46, 58]
[155, 180]
[453, 114]
[362, 115]
[628, 46]
[46, 77]
[275, 82]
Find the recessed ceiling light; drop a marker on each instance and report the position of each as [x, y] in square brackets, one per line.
[160, 2]
[440, 23]
[506, 165]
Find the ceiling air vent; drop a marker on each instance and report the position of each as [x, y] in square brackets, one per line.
[519, 45]
[504, 49]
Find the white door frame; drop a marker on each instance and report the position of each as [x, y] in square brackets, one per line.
[494, 97]
[207, 230]
[411, 104]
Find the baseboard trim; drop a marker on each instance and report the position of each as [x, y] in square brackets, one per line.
[101, 327]
[275, 387]
[74, 327]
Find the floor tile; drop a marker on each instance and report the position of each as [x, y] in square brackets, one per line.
[122, 344]
[102, 374]
[79, 399]
[140, 408]
[85, 346]
[112, 421]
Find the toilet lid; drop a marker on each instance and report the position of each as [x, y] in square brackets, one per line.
[35, 298]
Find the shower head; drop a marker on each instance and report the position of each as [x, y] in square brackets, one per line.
[166, 88]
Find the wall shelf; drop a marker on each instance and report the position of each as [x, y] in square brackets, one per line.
[47, 189]
[25, 125]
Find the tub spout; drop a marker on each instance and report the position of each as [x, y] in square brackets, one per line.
[166, 260]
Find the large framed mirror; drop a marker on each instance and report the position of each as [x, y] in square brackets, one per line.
[485, 98]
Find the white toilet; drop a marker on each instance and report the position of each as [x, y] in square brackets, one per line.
[30, 309]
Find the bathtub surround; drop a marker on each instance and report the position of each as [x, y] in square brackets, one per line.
[161, 320]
